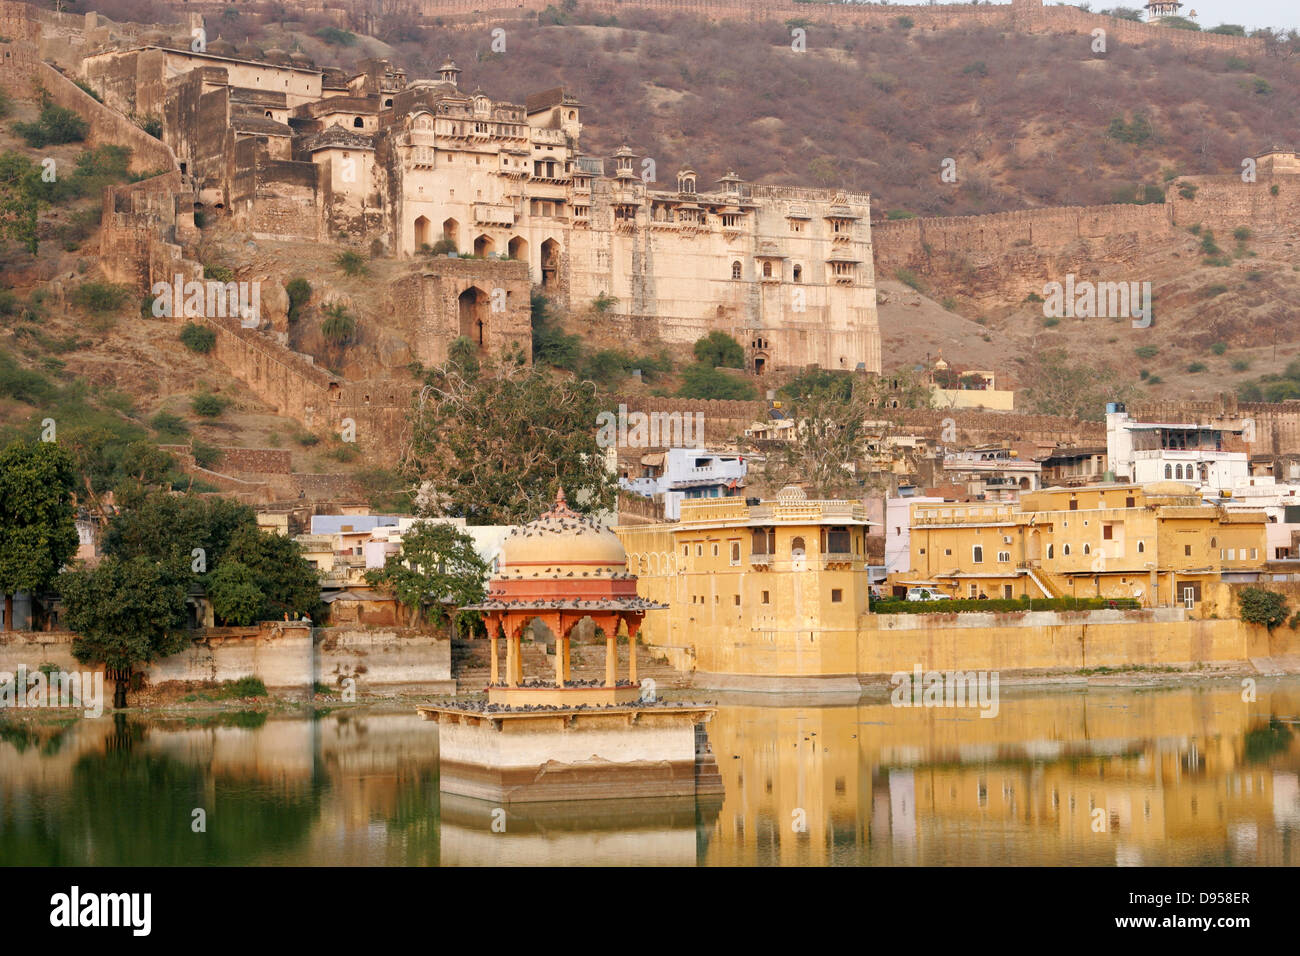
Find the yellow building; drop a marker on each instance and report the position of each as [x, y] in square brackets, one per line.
[788, 574]
[1159, 543]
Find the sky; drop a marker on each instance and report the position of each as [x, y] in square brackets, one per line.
[1209, 13]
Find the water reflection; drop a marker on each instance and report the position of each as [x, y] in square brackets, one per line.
[1191, 776]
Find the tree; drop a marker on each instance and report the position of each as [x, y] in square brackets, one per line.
[236, 598]
[1262, 606]
[126, 613]
[287, 582]
[169, 528]
[19, 202]
[437, 567]
[1057, 384]
[829, 442]
[703, 381]
[719, 349]
[38, 531]
[494, 447]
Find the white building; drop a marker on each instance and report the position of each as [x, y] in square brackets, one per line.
[898, 537]
[687, 473]
[1145, 452]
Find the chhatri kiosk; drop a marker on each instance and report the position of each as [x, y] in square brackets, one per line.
[560, 569]
[550, 737]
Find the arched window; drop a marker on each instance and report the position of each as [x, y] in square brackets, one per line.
[797, 548]
[358, 122]
[1169, 471]
[1051, 548]
[767, 270]
[1065, 550]
[735, 270]
[1087, 549]
[798, 273]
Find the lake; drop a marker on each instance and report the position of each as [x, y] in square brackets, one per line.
[1189, 775]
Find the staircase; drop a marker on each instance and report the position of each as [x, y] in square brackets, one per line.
[708, 779]
[1043, 583]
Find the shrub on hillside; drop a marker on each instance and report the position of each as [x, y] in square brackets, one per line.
[198, 338]
[56, 125]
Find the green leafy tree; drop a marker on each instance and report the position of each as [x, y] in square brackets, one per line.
[719, 349]
[289, 584]
[167, 528]
[496, 446]
[704, 381]
[236, 598]
[126, 613]
[1262, 606]
[19, 203]
[437, 568]
[38, 531]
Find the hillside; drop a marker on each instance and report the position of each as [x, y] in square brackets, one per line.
[1027, 119]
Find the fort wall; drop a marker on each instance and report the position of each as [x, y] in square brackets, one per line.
[283, 655]
[1025, 16]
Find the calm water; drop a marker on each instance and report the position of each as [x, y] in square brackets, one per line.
[1190, 775]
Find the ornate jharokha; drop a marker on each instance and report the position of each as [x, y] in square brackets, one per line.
[560, 569]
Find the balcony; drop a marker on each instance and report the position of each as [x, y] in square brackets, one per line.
[761, 560]
[491, 215]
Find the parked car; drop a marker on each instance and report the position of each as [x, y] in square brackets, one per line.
[926, 594]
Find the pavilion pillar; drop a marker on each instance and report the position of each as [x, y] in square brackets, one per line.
[512, 659]
[493, 624]
[565, 641]
[559, 660]
[631, 650]
[611, 652]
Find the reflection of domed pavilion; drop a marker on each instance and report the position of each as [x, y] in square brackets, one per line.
[562, 568]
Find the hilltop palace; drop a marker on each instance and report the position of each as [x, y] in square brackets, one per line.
[291, 152]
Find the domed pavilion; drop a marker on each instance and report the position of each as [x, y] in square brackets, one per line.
[562, 568]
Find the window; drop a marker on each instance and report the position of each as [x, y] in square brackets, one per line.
[1187, 550]
[735, 599]
[798, 273]
[1087, 549]
[1107, 532]
[767, 270]
[1004, 556]
[735, 270]
[977, 554]
[735, 553]
[715, 550]
[699, 550]
[1006, 591]
[1050, 549]
[973, 590]
[1169, 471]
[1074, 504]
[837, 595]
[1129, 502]
[1065, 550]
[1142, 546]
[797, 549]
[686, 550]
[766, 598]
[947, 552]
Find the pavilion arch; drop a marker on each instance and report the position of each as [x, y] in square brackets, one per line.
[451, 231]
[484, 245]
[550, 263]
[423, 232]
[472, 306]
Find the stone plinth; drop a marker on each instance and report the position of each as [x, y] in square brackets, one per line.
[625, 751]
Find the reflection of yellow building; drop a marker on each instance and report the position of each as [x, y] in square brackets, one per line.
[1160, 544]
